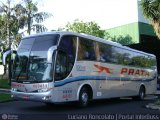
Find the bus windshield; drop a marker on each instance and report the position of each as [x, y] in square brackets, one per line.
[31, 60]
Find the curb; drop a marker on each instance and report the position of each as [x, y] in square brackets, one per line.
[6, 91]
[153, 106]
[151, 97]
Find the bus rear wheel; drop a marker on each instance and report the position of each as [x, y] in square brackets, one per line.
[83, 97]
[141, 93]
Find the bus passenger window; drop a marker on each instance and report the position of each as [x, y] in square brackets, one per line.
[104, 52]
[86, 50]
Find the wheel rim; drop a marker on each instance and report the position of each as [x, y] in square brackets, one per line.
[142, 94]
[85, 98]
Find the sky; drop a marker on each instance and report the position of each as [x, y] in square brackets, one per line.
[106, 13]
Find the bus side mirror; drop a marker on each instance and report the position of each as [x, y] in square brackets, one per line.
[5, 56]
[1, 69]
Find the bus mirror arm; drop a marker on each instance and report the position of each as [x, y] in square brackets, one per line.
[50, 53]
[7, 53]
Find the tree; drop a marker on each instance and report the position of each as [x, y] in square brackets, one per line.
[124, 40]
[91, 28]
[5, 11]
[151, 10]
[2, 28]
[16, 17]
[9, 23]
[32, 17]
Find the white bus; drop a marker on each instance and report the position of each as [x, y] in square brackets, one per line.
[64, 66]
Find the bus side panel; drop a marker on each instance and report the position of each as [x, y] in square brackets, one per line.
[107, 80]
[68, 90]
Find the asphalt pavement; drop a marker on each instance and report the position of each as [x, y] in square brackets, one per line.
[100, 109]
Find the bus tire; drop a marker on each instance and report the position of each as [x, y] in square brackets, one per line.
[141, 93]
[83, 97]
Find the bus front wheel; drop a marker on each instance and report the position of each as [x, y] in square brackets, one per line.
[83, 97]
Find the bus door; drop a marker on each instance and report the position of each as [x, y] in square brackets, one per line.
[65, 59]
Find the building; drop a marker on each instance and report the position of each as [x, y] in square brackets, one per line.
[140, 32]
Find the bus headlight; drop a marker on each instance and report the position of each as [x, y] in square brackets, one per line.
[43, 90]
[46, 98]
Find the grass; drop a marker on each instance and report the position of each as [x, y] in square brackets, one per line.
[5, 97]
[4, 84]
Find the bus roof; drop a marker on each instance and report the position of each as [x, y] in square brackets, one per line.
[61, 33]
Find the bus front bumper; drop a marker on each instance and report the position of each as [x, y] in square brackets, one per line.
[42, 97]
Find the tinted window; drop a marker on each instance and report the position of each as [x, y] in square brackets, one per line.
[141, 60]
[123, 56]
[138, 60]
[42, 44]
[61, 66]
[152, 62]
[21, 59]
[104, 52]
[31, 58]
[26, 45]
[101, 52]
[68, 44]
[86, 50]
[65, 57]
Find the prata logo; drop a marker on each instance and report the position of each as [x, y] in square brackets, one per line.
[103, 69]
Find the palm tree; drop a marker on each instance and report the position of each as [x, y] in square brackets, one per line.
[33, 17]
[6, 19]
[2, 28]
[10, 22]
[151, 10]
[9, 28]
